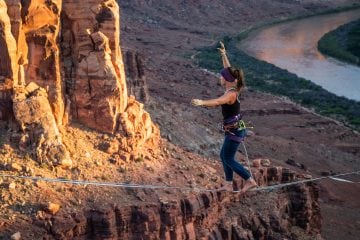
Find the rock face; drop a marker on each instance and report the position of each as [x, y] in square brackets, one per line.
[135, 72]
[7, 63]
[94, 70]
[6, 111]
[208, 215]
[40, 132]
[72, 52]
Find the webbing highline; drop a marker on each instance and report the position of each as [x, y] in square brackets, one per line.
[130, 185]
[332, 177]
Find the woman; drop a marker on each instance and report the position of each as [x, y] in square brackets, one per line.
[233, 81]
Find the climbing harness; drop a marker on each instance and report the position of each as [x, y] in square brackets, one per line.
[142, 186]
[237, 124]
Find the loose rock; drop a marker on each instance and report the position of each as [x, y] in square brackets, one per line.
[52, 208]
[15, 167]
[12, 185]
[16, 236]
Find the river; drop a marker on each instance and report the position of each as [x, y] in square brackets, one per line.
[293, 46]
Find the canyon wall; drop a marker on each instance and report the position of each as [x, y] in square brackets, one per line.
[292, 213]
[70, 51]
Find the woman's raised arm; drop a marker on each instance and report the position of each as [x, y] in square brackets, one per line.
[225, 60]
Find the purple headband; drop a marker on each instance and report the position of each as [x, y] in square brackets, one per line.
[226, 74]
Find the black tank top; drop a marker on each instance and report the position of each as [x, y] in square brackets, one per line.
[230, 110]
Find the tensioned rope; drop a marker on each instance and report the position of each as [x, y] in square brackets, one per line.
[332, 177]
[130, 185]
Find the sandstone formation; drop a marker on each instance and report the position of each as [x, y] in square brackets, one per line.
[71, 51]
[7, 63]
[136, 79]
[93, 64]
[40, 132]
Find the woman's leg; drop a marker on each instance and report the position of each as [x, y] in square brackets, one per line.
[228, 157]
[227, 169]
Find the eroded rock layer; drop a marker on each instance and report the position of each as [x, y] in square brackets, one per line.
[290, 214]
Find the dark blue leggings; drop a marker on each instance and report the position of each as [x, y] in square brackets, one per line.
[230, 165]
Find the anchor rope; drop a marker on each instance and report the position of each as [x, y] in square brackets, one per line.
[147, 186]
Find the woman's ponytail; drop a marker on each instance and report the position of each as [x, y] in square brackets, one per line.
[239, 75]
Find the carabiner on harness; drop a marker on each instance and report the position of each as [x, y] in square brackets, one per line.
[242, 125]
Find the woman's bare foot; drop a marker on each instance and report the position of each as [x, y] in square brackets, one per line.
[228, 186]
[249, 184]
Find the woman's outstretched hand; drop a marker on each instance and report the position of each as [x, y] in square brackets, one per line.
[196, 102]
[222, 48]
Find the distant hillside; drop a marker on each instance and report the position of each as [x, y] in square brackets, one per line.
[219, 16]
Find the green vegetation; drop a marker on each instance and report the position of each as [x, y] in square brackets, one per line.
[343, 43]
[267, 77]
[353, 43]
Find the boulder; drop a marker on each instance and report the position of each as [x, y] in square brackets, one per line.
[33, 113]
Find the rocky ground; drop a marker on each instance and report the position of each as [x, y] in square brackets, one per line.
[45, 210]
[166, 34]
[25, 200]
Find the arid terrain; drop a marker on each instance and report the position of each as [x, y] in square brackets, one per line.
[159, 42]
[169, 34]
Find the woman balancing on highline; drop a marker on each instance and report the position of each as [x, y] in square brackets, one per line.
[233, 81]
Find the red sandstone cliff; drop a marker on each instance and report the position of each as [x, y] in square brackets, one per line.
[62, 63]
[208, 215]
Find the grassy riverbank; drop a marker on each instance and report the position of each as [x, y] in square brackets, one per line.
[343, 43]
[267, 77]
